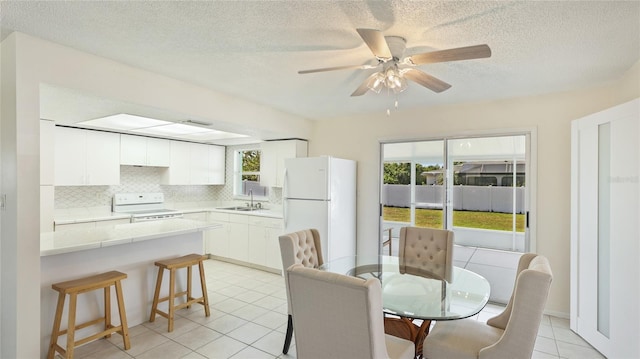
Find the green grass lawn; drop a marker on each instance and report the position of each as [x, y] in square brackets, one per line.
[433, 218]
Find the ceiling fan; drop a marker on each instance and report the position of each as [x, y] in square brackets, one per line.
[396, 69]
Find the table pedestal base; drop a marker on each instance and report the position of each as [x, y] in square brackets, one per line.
[405, 328]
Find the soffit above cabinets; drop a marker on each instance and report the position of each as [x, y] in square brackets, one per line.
[81, 109]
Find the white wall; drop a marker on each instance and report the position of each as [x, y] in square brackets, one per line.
[358, 138]
[28, 62]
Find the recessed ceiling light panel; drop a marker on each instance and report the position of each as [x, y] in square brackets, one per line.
[174, 129]
[123, 121]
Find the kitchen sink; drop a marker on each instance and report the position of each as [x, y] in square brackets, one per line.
[239, 208]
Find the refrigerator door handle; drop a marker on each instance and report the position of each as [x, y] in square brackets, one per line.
[284, 213]
[285, 189]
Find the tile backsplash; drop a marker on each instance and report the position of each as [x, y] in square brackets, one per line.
[133, 179]
[147, 179]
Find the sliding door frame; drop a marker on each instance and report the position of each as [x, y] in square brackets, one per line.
[531, 171]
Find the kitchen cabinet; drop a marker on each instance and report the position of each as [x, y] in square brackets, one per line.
[195, 164]
[273, 154]
[246, 238]
[217, 162]
[84, 157]
[217, 240]
[264, 246]
[144, 151]
[239, 237]
[179, 167]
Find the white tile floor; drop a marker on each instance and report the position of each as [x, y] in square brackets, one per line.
[248, 320]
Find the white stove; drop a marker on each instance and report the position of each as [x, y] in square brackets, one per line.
[143, 206]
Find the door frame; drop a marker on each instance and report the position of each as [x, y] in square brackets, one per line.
[531, 135]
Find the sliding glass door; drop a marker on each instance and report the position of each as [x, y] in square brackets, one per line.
[475, 186]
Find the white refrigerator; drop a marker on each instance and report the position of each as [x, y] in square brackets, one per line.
[320, 193]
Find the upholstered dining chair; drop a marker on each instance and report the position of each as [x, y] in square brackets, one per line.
[302, 247]
[426, 251]
[511, 334]
[338, 316]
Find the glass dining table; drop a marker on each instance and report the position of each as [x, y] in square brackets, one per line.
[410, 294]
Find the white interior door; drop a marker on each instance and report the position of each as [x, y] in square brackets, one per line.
[605, 250]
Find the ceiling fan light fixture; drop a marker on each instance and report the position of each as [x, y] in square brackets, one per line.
[376, 83]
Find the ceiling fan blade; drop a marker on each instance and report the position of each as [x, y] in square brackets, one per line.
[376, 42]
[363, 88]
[426, 80]
[457, 54]
[348, 67]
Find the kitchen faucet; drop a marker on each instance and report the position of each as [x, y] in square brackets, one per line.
[251, 205]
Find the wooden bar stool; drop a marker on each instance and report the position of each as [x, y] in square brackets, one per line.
[172, 264]
[83, 285]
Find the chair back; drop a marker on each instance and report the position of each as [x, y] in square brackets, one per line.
[336, 316]
[426, 252]
[522, 316]
[302, 247]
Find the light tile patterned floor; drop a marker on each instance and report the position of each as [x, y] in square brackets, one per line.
[248, 320]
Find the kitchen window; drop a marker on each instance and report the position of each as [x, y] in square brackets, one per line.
[246, 175]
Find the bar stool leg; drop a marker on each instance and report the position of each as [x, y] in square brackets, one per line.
[56, 326]
[172, 295]
[157, 295]
[71, 325]
[203, 285]
[123, 316]
[189, 297]
[107, 310]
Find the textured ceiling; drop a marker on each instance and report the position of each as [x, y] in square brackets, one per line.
[253, 49]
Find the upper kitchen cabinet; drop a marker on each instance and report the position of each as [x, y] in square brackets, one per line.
[144, 151]
[86, 158]
[195, 164]
[272, 159]
[217, 161]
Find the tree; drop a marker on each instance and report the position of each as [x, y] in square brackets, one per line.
[250, 165]
[251, 161]
[400, 172]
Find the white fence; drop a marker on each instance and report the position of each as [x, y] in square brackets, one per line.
[465, 198]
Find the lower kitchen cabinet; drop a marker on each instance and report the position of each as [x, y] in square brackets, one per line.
[273, 258]
[239, 237]
[246, 238]
[217, 240]
[264, 248]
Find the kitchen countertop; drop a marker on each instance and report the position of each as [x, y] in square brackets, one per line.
[94, 214]
[72, 240]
